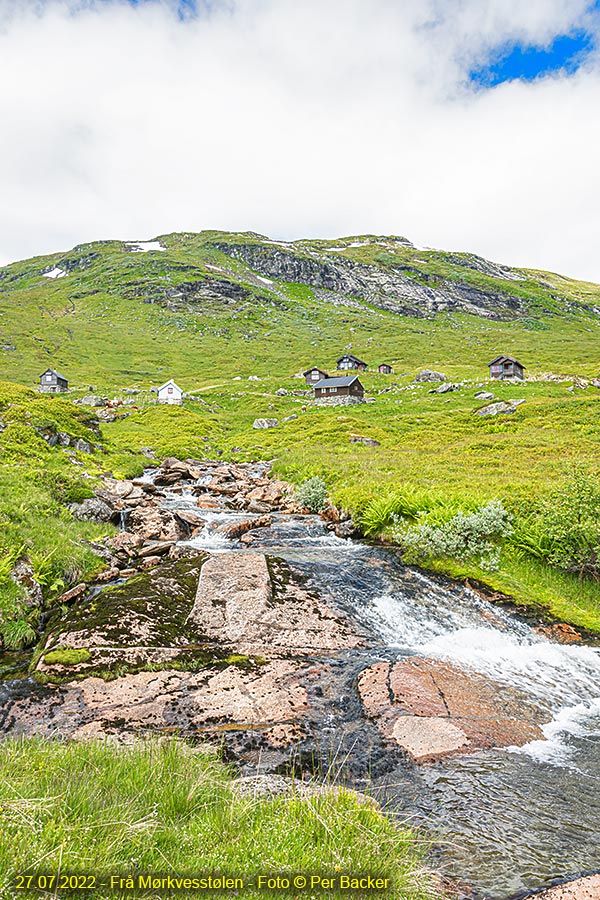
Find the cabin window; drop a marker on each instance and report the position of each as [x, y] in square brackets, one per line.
[169, 390]
[333, 390]
[314, 376]
[48, 377]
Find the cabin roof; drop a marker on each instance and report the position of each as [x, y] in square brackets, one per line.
[342, 381]
[503, 358]
[53, 372]
[312, 369]
[352, 356]
[170, 382]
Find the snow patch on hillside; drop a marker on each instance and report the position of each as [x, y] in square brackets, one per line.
[54, 273]
[144, 247]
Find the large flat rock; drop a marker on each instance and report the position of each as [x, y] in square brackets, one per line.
[267, 698]
[257, 606]
[431, 709]
[131, 626]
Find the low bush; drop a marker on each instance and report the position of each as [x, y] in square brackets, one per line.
[466, 536]
[564, 529]
[312, 494]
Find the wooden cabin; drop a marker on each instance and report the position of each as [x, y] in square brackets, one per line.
[313, 375]
[52, 382]
[169, 392]
[385, 369]
[506, 367]
[348, 361]
[344, 386]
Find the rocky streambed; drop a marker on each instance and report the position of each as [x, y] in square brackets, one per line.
[226, 612]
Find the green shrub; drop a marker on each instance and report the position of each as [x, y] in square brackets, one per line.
[312, 493]
[466, 536]
[564, 529]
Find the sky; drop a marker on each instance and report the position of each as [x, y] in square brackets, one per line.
[466, 125]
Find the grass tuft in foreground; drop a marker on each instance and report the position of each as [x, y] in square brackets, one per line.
[167, 808]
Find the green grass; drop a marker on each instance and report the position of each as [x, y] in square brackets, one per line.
[163, 807]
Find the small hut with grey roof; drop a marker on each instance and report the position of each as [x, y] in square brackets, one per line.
[506, 367]
[346, 386]
[52, 382]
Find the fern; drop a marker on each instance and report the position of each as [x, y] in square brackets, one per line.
[18, 633]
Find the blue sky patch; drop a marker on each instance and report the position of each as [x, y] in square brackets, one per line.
[565, 54]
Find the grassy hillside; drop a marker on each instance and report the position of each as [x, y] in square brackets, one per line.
[120, 321]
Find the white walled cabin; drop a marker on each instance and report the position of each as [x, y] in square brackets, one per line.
[169, 392]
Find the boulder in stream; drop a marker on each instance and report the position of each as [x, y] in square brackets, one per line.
[432, 709]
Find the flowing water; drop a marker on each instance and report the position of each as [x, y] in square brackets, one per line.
[505, 822]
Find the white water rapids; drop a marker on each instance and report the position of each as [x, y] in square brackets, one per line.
[509, 821]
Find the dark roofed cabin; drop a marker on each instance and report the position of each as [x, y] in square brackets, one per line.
[51, 382]
[313, 375]
[347, 386]
[348, 361]
[385, 369]
[506, 367]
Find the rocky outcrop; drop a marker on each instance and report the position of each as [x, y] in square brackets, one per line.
[431, 709]
[446, 388]
[236, 530]
[127, 627]
[92, 509]
[190, 294]
[560, 632]
[429, 375]
[257, 607]
[499, 407]
[385, 286]
[22, 573]
[367, 441]
[215, 646]
[151, 522]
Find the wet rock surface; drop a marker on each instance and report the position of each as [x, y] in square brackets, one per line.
[214, 646]
[266, 699]
[256, 606]
[432, 709]
[582, 889]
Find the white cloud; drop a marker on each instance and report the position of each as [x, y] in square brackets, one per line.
[319, 118]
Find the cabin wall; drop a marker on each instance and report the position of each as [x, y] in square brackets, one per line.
[332, 392]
